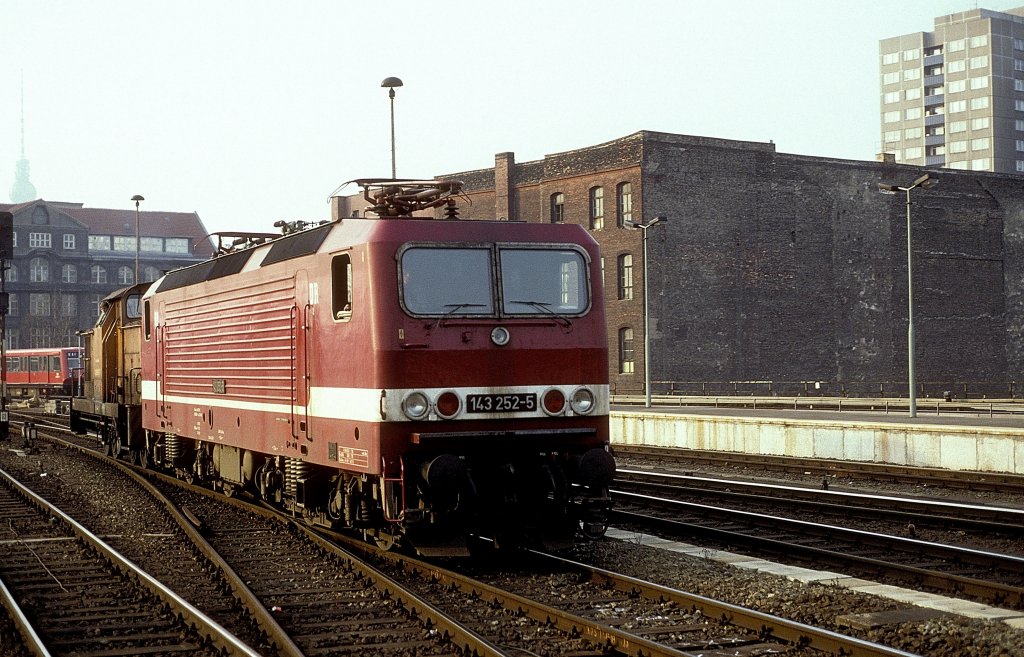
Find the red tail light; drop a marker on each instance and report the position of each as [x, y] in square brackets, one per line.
[554, 401]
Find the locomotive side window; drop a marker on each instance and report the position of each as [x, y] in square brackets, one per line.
[147, 319]
[447, 281]
[341, 287]
[539, 281]
[132, 307]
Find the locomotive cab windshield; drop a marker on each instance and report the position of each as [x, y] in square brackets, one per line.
[474, 281]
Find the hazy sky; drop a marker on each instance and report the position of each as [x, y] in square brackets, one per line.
[252, 111]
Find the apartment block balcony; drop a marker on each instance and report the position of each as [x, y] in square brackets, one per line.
[933, 60]
[934, 80]
[934, 119]
[935, 160]
[934, 140]
[934, 99]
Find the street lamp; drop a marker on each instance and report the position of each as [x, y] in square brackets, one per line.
[137, 198]
[647, 333]
[391, 83]
[924, 182]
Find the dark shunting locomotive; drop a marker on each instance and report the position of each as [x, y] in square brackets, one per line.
[418, 379]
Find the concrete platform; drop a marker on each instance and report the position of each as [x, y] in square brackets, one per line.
[796, 573]
[956, 442]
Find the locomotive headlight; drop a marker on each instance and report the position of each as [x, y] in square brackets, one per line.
[582, 401]
[415, 405]
[500, 336]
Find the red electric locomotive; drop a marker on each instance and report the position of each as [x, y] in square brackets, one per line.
[418, 379]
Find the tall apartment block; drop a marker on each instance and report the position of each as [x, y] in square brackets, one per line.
[954, 97]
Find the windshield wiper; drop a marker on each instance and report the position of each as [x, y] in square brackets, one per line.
[454, 308]
[543, 305]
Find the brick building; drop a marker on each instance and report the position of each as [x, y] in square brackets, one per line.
[783, 269]
[68, 257]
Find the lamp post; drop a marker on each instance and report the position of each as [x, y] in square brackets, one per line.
[137, 198]
[924, 182]
[647, 333]
[391, 83]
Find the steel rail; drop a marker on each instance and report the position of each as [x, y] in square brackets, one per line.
[988, 517]
[33, 643]
[992, 592]
[792, 632]
[1003, 482]
[203, 623]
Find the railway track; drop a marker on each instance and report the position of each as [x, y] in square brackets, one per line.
[310, 594]
[71, 593]
[826, 469]
[993, 578]
[897, 512]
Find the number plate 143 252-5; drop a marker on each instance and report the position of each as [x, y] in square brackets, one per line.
[509, 403]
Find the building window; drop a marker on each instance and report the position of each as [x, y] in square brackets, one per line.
[959, 44]
[980, 144]
[979, 41]
[624, 204]
[979, 62]
[124, 243]
[958, 106]
[956, 86]
[979, 103]
[981, 164]
[38, 270]
[913, 153]
[892, 136]
[557, 208]
[99, 242]
[38, 240]
[912, 133]
[177, 245]
[151, 244]
[911, 54]
[959, 66]
[891, 78]
[912, 74]
[12, 305]
[68, 305]
[39, 336]
[626, 365]
[98, 274]
[958, 147]
[1020, 165]
[1018, 85]
[69, 241]
[891, 97]
[913, 93]
[891, 117]
[913, 113]
[979, 83]
[125, 276]
[597, 208]
[981, 123]
[150, 274]
[1019, 124]
[890, 58]
[957, 126]
[69, 274]
[625, 276]
[39, 304]
[12, 274]
[1018, 44]
[96, 303]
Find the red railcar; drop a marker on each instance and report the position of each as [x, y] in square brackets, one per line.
[44, 372]
[416, 378]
